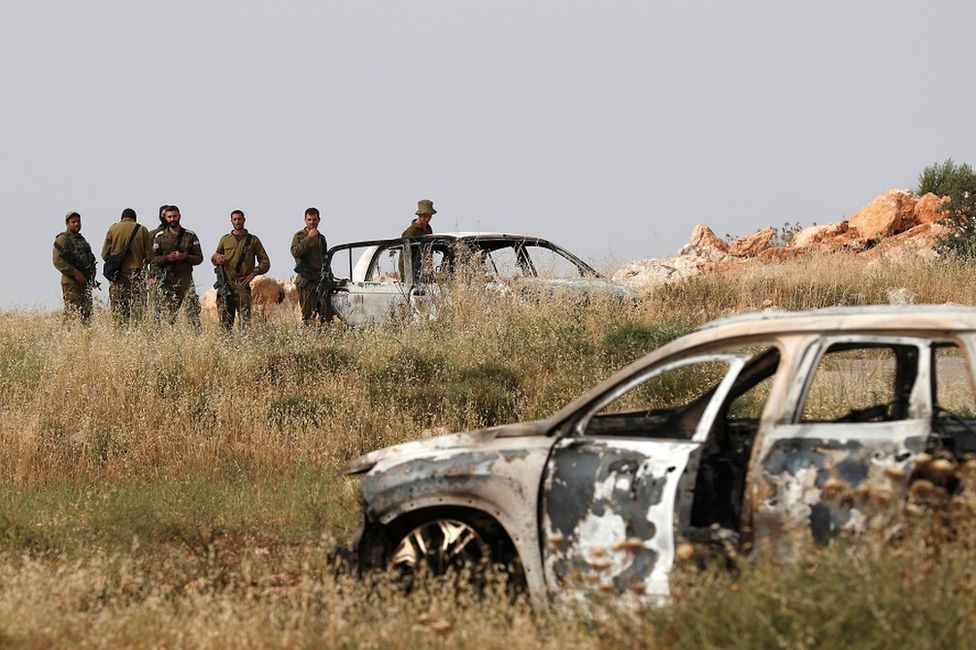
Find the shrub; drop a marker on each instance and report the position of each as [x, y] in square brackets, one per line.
[958, 183]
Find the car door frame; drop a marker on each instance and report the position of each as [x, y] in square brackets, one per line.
[624, 544]
[818, 479]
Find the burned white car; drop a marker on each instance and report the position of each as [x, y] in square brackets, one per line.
[378, 280]
[754, 430]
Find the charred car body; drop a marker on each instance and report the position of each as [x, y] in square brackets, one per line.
[376, 280]
[760, 428]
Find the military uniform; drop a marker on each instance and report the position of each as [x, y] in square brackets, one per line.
[127, 293]
[309, 253]
[243, 256]
[71, 253]
[414, 230]
[175, 279]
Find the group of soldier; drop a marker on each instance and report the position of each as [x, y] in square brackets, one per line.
[151, 271]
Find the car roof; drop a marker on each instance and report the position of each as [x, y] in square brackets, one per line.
[870, 317]
[905, 319]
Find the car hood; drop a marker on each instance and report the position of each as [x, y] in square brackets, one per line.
[453, 441]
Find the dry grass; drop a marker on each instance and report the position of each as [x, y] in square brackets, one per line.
[167, 488]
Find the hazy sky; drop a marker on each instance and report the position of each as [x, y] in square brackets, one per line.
[611, 127]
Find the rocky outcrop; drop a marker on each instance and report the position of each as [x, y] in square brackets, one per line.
[752, 245]
[889, 214]
[896, 224]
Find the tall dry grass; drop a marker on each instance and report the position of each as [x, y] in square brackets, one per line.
[166, 487]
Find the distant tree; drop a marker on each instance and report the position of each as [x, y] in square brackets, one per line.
[958, 183]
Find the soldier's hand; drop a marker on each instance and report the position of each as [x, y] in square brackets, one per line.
[313, 232]
[80, 277]
[247, 278]
[173, 257]
[218, 259]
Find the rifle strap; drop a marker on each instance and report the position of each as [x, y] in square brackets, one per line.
[73, 265]
[240, 260]
[125, 251]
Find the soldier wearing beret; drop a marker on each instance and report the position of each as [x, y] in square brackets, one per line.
[73, 257]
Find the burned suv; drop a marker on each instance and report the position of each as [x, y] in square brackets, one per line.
[378, 280]
[768, 427]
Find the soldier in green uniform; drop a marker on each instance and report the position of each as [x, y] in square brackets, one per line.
[417, 228]
[162, 221]
[176, 251]
[73, 257]
[128, 292]
[308, 247]
[243, 256]
[421, 225]
[153, 285]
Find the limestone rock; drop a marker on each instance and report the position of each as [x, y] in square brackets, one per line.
[901, 296]
[780, 254]
[816, 234]
[888, 214]
[918, 241]
[703, 237]
[927, 208]
[753, 244]
[649, 273]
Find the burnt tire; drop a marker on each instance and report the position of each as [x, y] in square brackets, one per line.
[469, 551]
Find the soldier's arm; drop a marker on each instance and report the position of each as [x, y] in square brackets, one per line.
[158, 256]
[146, 239]
[194, 254]
[59, 262]
[219, 251]
[305, 245]
[297, 248]
[264, 262]
[107, 246]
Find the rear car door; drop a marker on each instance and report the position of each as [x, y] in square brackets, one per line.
[368, 285]
[857, 416]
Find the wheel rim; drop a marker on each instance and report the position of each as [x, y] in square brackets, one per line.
[439, 547]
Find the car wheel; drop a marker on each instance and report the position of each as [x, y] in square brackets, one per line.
[441, 547]
[468, 553]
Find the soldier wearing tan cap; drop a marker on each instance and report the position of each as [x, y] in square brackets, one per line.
[421, 225]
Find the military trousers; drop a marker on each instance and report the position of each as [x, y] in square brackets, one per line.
[176, 292]
[238, 302]
[128, 296]
[77, 300]
[308, 300]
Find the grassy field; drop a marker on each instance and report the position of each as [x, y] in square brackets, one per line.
[161, 487]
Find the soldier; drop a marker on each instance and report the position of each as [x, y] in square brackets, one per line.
[162, 222]
[152, 281]
[74, 258]
[176, 251]
[308, 247]
[421, 225]
[237, 252]
[127, 291]
[417, 228]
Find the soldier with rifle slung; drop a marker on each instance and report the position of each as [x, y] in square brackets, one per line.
[73, 257]
[308, 247]
[240, 256]
[131, 242]
[176, 251]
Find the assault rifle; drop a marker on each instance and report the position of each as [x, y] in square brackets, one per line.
[224, 291]
[86, 267]
[323, 288]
